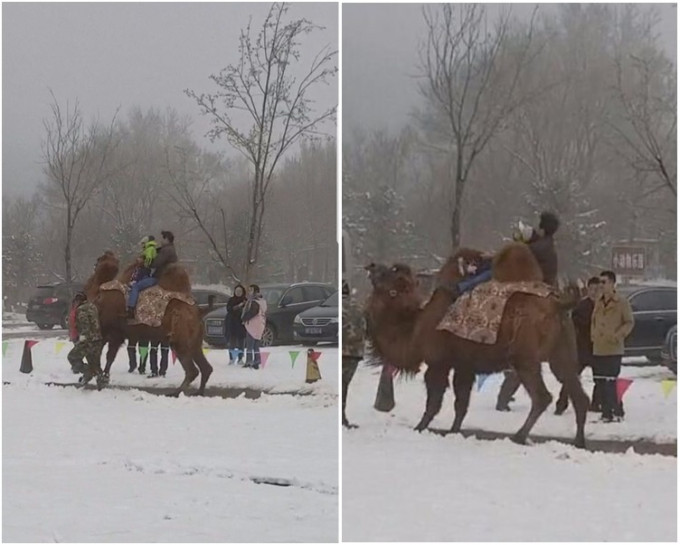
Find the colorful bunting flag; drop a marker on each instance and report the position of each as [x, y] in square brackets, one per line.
[667, 386]
[622, 384]
[392, 370]
[314, 355]
[263, 358]
[480, 381]
[58, 347]
[4, 347]
[206, 350]
[31, 344]
[174, 356]
[293, 356]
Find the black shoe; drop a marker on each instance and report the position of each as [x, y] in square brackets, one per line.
[607, 419]
[152, 375]
[161, 375]
[503, 408]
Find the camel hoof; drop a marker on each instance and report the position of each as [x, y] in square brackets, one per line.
[173, 394]
[455, 430]
[580, 443]
[559, 412]
[519, 439]
[349, 426]
[419, 428]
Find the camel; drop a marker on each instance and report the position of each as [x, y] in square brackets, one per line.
[182, 324]
[532, 329]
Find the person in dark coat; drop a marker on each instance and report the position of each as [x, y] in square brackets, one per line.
[582, 316]
[235, 331]
[542, 246]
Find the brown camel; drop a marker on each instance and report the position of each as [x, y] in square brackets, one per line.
[533, 329]
[182, 324]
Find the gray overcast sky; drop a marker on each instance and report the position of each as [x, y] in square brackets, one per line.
[126, 54]
[380, 52]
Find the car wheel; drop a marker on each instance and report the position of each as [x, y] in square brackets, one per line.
[268, 336]
[45, 326]
[64, 321]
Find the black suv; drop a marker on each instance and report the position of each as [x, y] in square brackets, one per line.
[202, 298]
[50, 305]
[655, 312]
[284, 303]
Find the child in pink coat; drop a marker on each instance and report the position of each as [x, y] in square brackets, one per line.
[255, 319]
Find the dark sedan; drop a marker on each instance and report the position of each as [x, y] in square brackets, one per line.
[318, 324]
[50, 305]
[284, 302]
[655, 312]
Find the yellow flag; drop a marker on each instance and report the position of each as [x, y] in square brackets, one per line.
[667, 386]
[59, 346]
[206, 350]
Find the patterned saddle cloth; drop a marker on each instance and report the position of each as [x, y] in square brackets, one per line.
[477, 315]
[152, 301]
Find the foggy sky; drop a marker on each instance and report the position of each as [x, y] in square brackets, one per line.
[380, 55]
[126, 54]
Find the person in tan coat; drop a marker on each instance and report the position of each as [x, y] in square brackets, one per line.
[611, 323]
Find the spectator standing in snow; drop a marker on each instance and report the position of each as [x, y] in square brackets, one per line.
[582, 317]
[255, 320]
[612, 322]
[235, 331]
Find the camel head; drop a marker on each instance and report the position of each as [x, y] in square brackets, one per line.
[105, 270]
[395, 285]
[461, 264]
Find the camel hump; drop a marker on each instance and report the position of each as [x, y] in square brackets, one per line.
[515, 262]
[175, 278]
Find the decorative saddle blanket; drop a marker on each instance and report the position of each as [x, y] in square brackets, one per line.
[477, 315]
[152, 301]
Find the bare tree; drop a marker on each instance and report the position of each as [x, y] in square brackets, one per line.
[647, 126]
[76, 163]
[470, 74]
[271, 102]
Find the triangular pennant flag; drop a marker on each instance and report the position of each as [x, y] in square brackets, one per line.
[143, 351]
[26, 359]
[394, 371]
[31, 344]
[174, 356]
[4, 347]
[293, 356]
[667, 386]
[622, 384]
[480, 381]
[313, 354]
[58, 347]
[206, 350]
[263, 358]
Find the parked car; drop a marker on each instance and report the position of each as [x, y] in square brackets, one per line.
[318, 324]
[50, 304]
[669, 352]
[284, 302]
[655, 312]
[202, 298]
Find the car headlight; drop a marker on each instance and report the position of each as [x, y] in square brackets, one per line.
[297, 320]
[334, 320]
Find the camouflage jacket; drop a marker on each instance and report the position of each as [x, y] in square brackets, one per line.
[353, 330]
[87, 322]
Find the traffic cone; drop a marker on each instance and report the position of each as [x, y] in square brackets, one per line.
[313, 373]
[26, 358]
[384, 397]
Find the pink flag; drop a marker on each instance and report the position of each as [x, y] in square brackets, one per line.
[174, 356]
[263, 358]
[622, 384]
[313, 354]
[31, 344]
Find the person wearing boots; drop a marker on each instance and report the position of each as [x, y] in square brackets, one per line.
[132, 350]
[255, 321]
[153, 358]
[235, 331]
[612, 322]
[90, 343]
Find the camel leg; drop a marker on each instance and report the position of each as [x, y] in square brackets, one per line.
[532, 380]
[205, 368]
[115, 343]
[462, 386]
[436, 382]
[190, 370]
[571, 385]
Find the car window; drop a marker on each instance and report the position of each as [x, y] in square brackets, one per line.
[272, 296]
[293, 296]
[220, 298]
[651, 300]
[332, 301]
[314, 293]
[200, 297]
[47, 291]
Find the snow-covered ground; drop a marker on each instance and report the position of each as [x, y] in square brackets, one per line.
[130, 466]
[399, 485]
